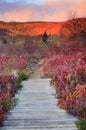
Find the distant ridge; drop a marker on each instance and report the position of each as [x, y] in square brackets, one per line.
[31, 28]
[34, 28]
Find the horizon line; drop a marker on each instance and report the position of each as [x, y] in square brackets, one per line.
[35, 21]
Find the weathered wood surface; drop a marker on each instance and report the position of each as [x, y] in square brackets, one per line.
[37, 109]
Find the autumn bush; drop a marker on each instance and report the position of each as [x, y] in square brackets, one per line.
[10, 63]
[23, 75]
[9, 81]
[68, 71]
[8, 87]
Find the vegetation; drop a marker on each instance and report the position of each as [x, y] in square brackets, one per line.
[23, 75]
[62, 59]
[75, 32]
[7, 91]
[81, 124]
[45, 37]
[67, 68]
[4, 41]
[11, 62]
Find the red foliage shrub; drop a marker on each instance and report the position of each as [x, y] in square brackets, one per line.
[13, 62]
[8, 87]
[68, 72]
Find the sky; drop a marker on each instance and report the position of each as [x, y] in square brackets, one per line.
[41, 10]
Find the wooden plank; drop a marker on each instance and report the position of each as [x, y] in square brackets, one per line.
[37, 109]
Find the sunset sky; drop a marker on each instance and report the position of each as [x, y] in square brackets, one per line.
[40, 10]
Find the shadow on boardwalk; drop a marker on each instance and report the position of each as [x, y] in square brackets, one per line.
[36, 109]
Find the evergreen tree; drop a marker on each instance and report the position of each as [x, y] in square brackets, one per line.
[45, 37]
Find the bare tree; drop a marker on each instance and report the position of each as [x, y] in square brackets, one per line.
[71, 14]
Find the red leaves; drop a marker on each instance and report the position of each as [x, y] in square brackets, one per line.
[22, 62]
[7, 91]
[75, 102]
[68, 69]
[8, 83]
[13, 62]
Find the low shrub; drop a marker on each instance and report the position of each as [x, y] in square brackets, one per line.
[7, 91]
[9, 85]
[68, 71]
[23, 75]
[19, 84]
[81, 124]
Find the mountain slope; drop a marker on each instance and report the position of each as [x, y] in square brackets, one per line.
[71, 32]
[31, 28]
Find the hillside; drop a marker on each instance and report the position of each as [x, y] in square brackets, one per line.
[71, 31]
[30, 28]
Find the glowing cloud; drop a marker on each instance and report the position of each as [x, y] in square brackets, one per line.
[40, 10]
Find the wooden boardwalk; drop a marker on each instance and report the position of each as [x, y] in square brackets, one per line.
[37, 109]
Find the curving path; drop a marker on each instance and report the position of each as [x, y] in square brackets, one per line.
[37, 109]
